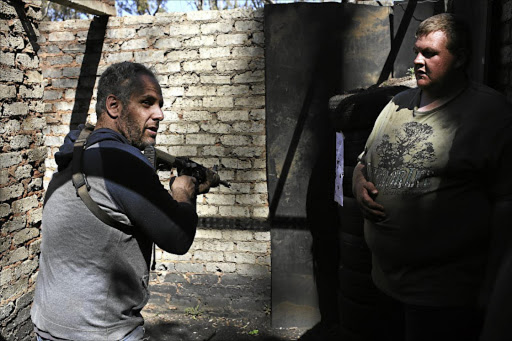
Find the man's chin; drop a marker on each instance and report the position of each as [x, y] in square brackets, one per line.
[145, 143]
[423, 84]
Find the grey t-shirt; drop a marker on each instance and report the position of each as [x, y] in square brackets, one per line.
[93, 278]
[438, 174]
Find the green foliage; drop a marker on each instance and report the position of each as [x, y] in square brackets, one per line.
[267, 309]
[254, 332]
[228, 4]
[140, 7]
[55, 12]
[194, 312]
[410, 72]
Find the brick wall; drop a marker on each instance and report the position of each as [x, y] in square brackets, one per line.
[21, 165]
[210, 65]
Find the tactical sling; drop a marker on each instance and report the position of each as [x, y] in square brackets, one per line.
[82, 187]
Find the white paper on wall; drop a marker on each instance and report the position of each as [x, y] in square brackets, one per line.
[338, 191]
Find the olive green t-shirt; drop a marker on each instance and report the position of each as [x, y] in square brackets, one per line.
[438, 174]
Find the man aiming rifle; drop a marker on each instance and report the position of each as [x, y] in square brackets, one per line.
[94, 263]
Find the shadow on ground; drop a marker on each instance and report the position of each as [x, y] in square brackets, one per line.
[176, 326]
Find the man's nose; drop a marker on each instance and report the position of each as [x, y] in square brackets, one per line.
[419, 59]
[158, 114]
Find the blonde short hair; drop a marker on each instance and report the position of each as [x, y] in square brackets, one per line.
[456, 30]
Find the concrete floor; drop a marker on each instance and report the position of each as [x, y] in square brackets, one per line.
[179, 326]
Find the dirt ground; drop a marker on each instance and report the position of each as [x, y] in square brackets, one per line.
[176, 326]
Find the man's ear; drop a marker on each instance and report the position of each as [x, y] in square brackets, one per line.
[113, 106]
[462, 58]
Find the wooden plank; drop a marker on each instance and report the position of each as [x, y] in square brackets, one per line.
[95, 7]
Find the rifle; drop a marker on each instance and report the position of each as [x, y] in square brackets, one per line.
[164, 161]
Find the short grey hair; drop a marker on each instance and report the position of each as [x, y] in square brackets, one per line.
[119, 79]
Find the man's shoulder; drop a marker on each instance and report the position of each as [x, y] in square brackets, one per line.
[483, 93]
[406, 98]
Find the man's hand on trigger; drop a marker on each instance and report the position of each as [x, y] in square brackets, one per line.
[183, 188]
[205, 186]
[365, 192]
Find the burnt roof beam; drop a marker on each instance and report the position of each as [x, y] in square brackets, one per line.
[95, 7]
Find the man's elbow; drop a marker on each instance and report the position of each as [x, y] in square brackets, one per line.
[177, 245]
[182, 249]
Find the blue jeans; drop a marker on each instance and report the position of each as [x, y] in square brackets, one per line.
[135, 335]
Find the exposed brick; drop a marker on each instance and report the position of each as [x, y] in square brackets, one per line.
[234, 115]
[148, 56]
[214, 52]
[198, 65]
[253, 101]
[249, 25]
[10, 159]
[202, 139]
[35, 92]
[236, 164]
[61, 36]
[218, 102]
[262, 236]
[232, 39]
[183, 30]
[238, 258]
[25, 204]
[223, 267]
[250, 77]
[220, 199]
[219, 128]
[200, 41]
[166, 43]
[11, 75]
[7, 58]
[27, 61]
[182, 55]
[208, 256]
[238, 235]
[258, 38]
[235, 140]
[203, 15]
[20, 142]
[253, 270]
[168, 67]
[119, 57]
[25, 235]
[231, 65]
[234, 212]
[5, 210]
[7, 91]
[208, 234]
[251, 199]
[248, 52]
[120, 33]
[189, 268]
[251, 175]
[60, 60]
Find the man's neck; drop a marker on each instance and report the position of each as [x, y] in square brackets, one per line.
[434, 98]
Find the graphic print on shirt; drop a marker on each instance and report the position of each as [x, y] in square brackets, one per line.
[404, 163]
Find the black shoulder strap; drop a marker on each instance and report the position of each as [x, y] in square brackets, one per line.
[82, 187]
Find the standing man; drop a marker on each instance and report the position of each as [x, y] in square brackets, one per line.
[93, 277]
[435, 188]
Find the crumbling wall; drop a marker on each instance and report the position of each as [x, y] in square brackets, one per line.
[210, 65]
[21, 164]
